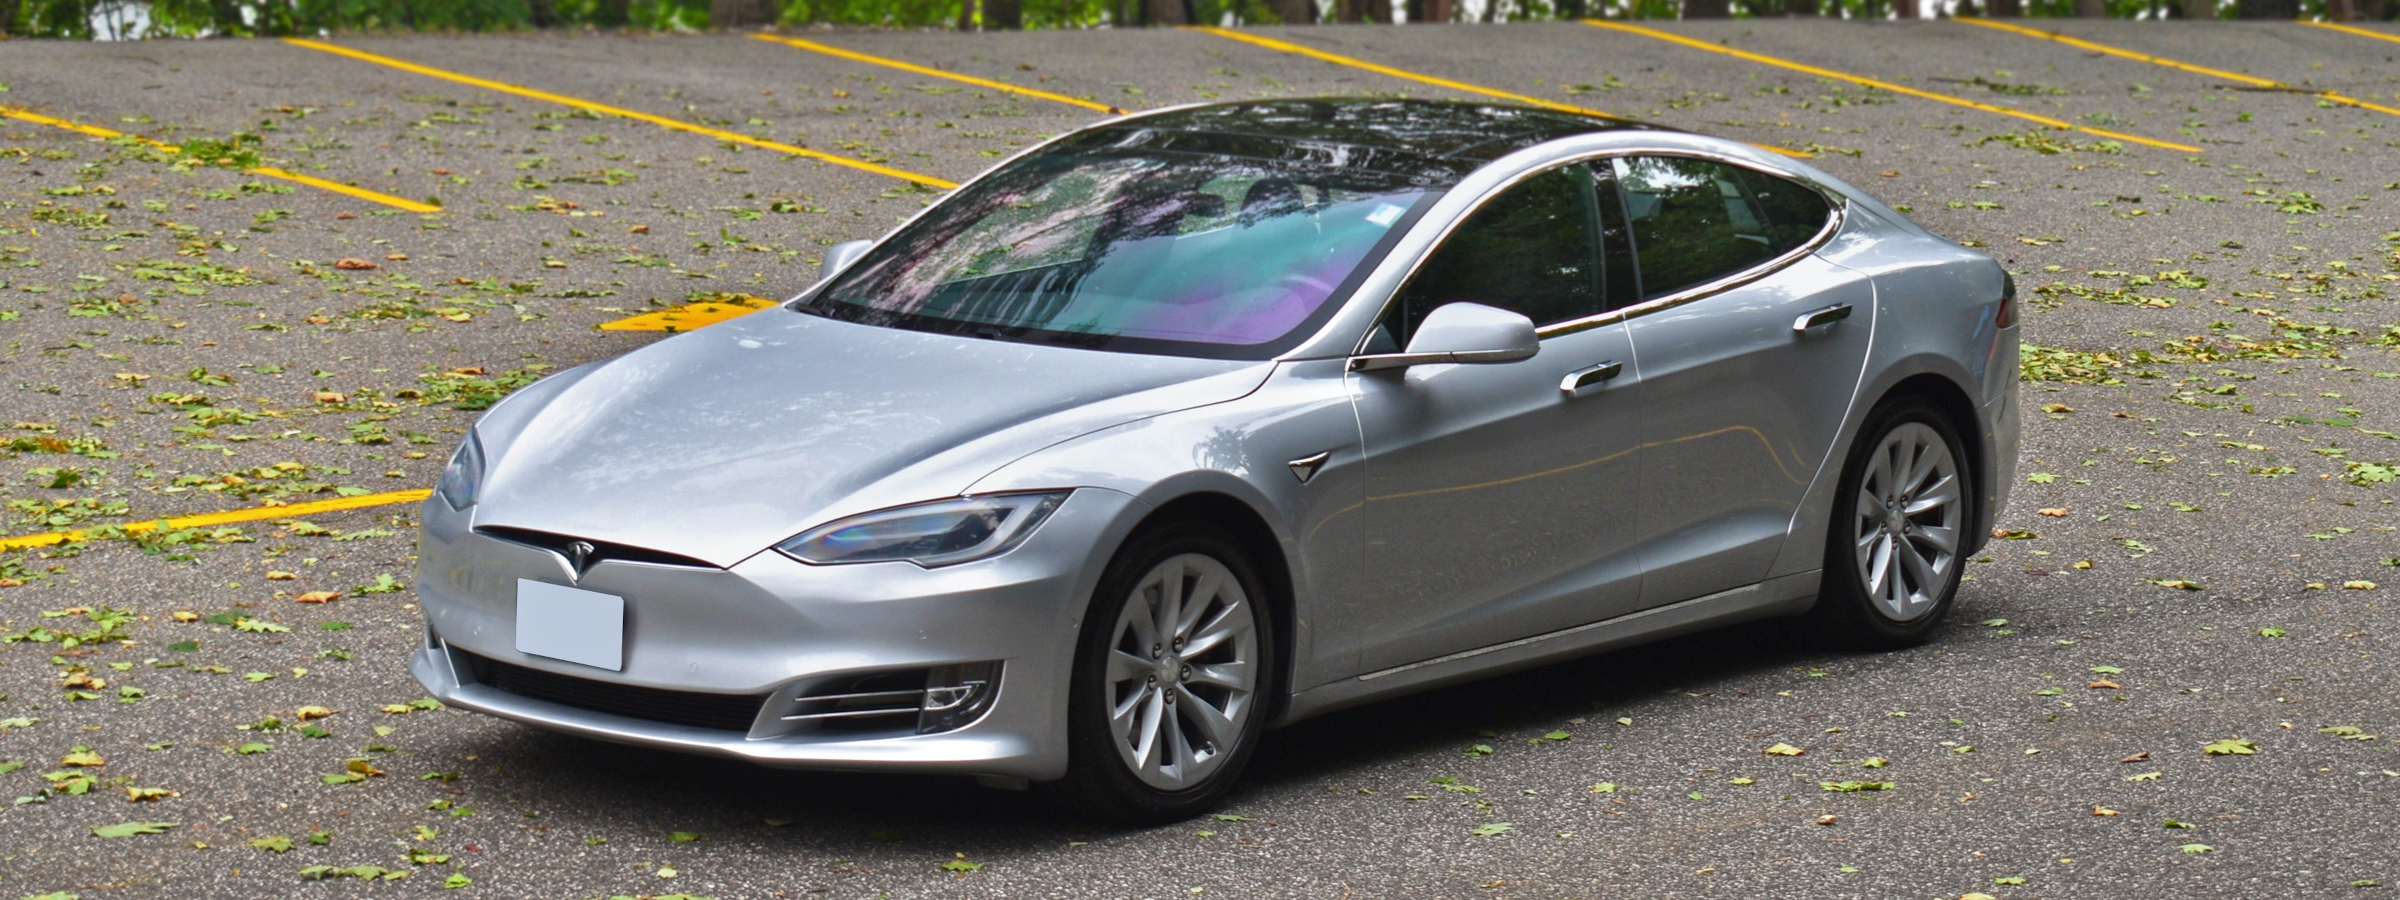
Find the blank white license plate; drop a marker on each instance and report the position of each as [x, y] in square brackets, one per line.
[572, 624]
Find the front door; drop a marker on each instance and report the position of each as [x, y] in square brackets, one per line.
[1500, 505]
[1740, 403]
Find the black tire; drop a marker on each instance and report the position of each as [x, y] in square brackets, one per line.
[1846, 610]
[1100, 782]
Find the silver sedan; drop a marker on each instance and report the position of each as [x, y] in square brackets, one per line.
[1201, 421]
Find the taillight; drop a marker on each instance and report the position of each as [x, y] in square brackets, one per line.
[2008, 302]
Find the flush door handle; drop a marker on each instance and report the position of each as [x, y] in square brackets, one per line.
[1816, 317]
[1582, 378]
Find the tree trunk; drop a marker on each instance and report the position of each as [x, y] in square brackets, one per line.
[2007, 9]
[1003, 15]
[1292, 12]
[2341, 11]
[2199, 10]
[228, 14]
[1163, 12]
[2267, 9]
[8, 17]
[731, 14]
[612, 13]
[1906, 9]
[542, 13]
[1800, 7]
[2091, 9]
[1706, 9]
[1429, 10]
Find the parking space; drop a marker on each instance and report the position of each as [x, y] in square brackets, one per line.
[2203, 548]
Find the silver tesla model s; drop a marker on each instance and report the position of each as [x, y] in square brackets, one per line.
[1201, 421]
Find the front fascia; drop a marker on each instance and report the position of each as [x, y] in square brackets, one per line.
[771, 621]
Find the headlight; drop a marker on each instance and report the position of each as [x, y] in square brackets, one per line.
[464, 474]
[940, 533]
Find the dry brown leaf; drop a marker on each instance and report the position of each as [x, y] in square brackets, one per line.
[2138, 757]
[278, 575]
[354, 264]
[2055, 512]
[2106, 685]
[318, 597]
[306, 713]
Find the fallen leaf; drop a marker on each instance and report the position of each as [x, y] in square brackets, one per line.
[129, 829]
[318, 597]
[2359, 585]
[2106, 685]
[306, 713]
[2055, 512]
[353, 263]
[82, 757]
[395, 257]
[2231, 747]
[1784, 750]
[2103, 811]
[2138, 757]
[280, 576]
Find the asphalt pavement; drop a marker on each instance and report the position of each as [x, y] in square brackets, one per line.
[2172, 677]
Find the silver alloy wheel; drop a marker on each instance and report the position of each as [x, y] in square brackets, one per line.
[1907, 522]
[1182, 666]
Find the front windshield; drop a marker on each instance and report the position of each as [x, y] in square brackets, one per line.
[1215, 254]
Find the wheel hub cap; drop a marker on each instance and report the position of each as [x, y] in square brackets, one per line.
[1907, 527]
[1182, 668]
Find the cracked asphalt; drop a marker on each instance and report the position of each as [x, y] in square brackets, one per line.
[2172, 676]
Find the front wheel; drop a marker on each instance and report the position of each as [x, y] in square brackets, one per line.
[1900, 515]
[1171, 677]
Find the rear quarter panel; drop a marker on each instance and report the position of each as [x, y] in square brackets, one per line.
[1936, 305]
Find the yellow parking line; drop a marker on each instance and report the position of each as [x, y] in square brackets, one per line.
[1340, 60]
[265, 171]
[205, 520]
[2361, 32]
[1764, 59]
[660, 121]
[2251, 80]
[856, 56]
[691, 316]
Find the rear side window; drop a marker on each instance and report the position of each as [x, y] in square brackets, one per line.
[1693, 221]
[1795, 212]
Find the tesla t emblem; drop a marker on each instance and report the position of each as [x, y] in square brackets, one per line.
[579, 557]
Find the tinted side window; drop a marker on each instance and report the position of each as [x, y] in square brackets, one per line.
[1795, 211]
[1531, 250]
[1693, 222]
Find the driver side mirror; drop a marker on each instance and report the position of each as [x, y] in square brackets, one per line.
[840, 256]
[1461, 333]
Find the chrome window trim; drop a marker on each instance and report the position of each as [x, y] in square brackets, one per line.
[1834, 219]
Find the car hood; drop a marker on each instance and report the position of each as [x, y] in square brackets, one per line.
[718, 443]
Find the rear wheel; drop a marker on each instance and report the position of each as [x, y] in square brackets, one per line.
[1900, 516]
[1171, 677]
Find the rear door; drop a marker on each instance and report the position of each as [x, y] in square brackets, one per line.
[1750, 350]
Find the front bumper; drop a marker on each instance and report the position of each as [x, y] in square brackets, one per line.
[775, 631]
